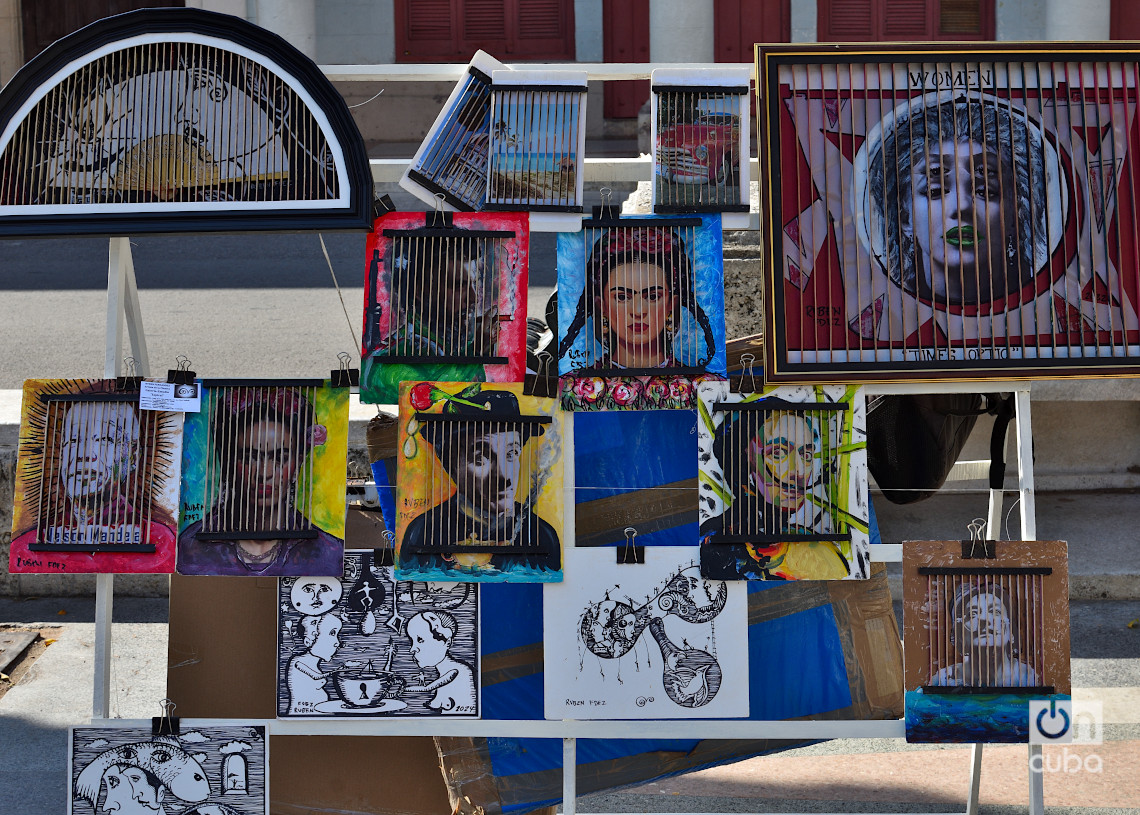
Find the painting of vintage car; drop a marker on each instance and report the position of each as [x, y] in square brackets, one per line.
[703, 151]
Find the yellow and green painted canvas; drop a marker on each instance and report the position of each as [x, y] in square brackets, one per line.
[263, 480]
[783, 483]
[479, 487]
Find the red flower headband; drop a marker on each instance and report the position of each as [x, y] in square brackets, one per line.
[651, 240]
[283, 401]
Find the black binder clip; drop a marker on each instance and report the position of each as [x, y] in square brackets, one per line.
[182, 375]
[607, 211]
[166, 724]
[132, 381]
[747, 372]
[385, 556]
[630, 552]
[382, 205]
[344, 376]
[977, 547]
[440, 217]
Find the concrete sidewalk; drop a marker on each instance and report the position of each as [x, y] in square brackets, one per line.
[1101, 528]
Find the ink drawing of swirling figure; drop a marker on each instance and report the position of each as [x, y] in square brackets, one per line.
[650, 640]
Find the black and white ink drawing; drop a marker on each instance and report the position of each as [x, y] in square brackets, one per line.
[644, 641]
[209, 768]
[369, 646]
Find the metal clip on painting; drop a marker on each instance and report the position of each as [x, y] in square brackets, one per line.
[132, 381]
[630, 552]
[166, 724]
[182, 375]
[382, 205]
[344, 376]
[747, 363]
[385, 555]
[440, 217]
[606, 214]
[977, 546]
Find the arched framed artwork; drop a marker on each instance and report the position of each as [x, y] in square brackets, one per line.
[171, 120]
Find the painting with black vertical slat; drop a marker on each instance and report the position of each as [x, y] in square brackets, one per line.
[96, 480]
[783, 483]
[700, 142]
[479, 487]
[940, 213]
[263, 479]
[444, 299]
[451, 164]
[640, 311]
[986, 632]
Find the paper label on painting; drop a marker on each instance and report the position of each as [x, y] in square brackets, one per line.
[184, 398]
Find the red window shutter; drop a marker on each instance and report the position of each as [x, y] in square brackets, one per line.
[1124, 20]
[453, 30]
[906, 20]
[886, 20]
[484, 26]
[543, 29]
[739, 24]
[425, 31]
[625, 38]
[960, 18]
[847, 20]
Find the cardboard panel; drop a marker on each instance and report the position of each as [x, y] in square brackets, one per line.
[223, 662]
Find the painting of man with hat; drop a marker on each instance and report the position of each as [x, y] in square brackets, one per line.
[480, 475]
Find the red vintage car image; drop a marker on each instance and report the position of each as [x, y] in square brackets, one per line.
[703, 151]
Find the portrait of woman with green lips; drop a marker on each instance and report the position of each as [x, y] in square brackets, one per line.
[957, 186]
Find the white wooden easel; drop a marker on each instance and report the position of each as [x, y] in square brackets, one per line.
[123, 312]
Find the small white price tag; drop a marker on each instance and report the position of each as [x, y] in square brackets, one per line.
[175, 398]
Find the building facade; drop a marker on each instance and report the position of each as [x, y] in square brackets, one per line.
[368, 32]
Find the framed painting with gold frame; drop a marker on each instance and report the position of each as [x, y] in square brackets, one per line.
[934, 212]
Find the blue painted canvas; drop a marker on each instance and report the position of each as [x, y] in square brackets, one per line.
[640, 312]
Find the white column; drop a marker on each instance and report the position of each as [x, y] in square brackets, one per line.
[681, 31]
[587, 30]
[1086, 20]
[294, 20]
[804, 25]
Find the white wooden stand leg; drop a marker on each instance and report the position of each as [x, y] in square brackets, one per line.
[1029, 533]
[569, 776]
[104, 598]
[1036, 781]
[131, 309]
[993, 532]
[117, 259]
[122, 312]
[975, 779]
[1025, 466]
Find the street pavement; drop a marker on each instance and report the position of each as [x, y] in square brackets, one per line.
[840, 775]
[236, 305]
